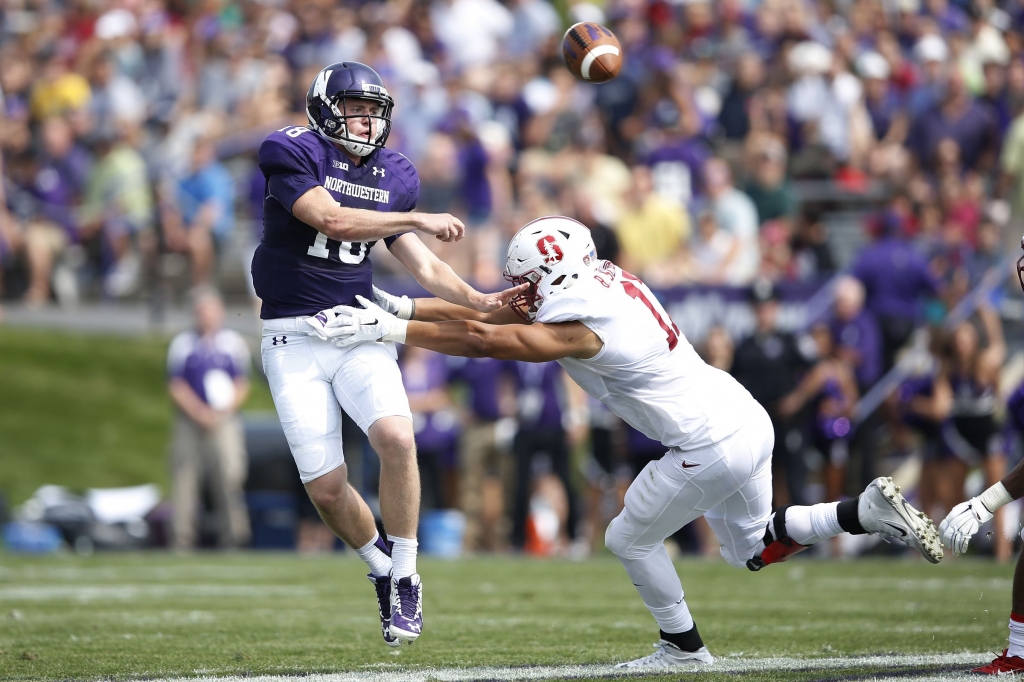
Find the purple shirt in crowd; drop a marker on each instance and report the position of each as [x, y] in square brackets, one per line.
[861, 334]
[895, 276]
[209, 364]
[58, 184]
[482, 376]
[540, 386]
[434, 430]
[974, 130]
[297, 270]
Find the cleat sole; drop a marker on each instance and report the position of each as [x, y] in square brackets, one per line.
[927, 536]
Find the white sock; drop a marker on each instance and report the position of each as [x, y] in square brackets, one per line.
[811, 525]
[403, 556]
[658, 583]
[1016, 647]
[378, 561]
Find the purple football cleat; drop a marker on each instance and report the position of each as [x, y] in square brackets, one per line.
[406, 608]
[383, 586]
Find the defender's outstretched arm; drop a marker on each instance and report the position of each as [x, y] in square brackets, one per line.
[530, 343]
[438, 310]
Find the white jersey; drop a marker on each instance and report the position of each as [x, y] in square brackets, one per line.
[647, 372]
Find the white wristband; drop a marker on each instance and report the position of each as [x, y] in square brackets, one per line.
[406, 307]
[397, 333]
[995, 497]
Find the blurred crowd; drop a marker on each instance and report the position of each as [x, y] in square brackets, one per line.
[130, 127]
[739, 137]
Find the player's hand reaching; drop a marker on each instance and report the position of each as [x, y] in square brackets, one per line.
[444, 226]
[962, 523]
[485, 303]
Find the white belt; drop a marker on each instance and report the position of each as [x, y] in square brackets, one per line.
[296, 325]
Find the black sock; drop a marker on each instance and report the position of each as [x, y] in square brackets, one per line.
[846, 512]
[687, 641]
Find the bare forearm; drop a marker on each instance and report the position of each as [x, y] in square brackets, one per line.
[438, 278]
[358, 225]
[436, 310]
[462, 338]
[439, 310]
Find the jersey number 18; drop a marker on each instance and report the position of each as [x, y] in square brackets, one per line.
[352, 253]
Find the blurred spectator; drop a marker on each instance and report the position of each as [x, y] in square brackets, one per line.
[896, 280]
[855, 333]
[651, 228]
[769, 364]
[712, 251]
[117, 212]
[810, 249]
[58, 90]
[425, 375]
[718, 349]
[768, 188]
[924, 402]
[208, 370]
[735, 213]
[973, 434]
[959, 118]
[541, 396]
[55, 179]
[831, 391]
[485, 460]
[735, 114]
[200, 214]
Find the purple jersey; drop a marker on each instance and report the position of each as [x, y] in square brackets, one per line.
[298, 270]
[540, 404]
[208, 363]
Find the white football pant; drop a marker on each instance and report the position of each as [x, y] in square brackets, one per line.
[729, 484]
[312, 380]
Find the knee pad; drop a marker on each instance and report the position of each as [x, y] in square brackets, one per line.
[778, 546]
[615, 536]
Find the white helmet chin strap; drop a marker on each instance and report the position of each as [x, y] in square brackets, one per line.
[357, 148]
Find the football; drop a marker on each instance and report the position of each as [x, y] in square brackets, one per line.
[592, 52]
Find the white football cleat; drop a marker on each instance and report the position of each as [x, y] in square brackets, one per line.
[668, 655]
[883, 510]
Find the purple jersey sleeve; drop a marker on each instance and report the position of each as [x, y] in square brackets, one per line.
[411, 180]
[289, 166]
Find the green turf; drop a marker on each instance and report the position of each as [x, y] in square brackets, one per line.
[144, 615]
[85, 411]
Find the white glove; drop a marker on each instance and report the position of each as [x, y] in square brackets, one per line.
[403, 307]
[370, 323]
[319, 323]
[962, 523]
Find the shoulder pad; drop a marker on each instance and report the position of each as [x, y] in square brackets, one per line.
[283, 152]
[565, 306]
[404, 169]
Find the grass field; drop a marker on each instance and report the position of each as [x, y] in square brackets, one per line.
[85, 411]
[160, 615]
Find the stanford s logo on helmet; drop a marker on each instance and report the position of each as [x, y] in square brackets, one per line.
[328, 102]
[550, 254]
